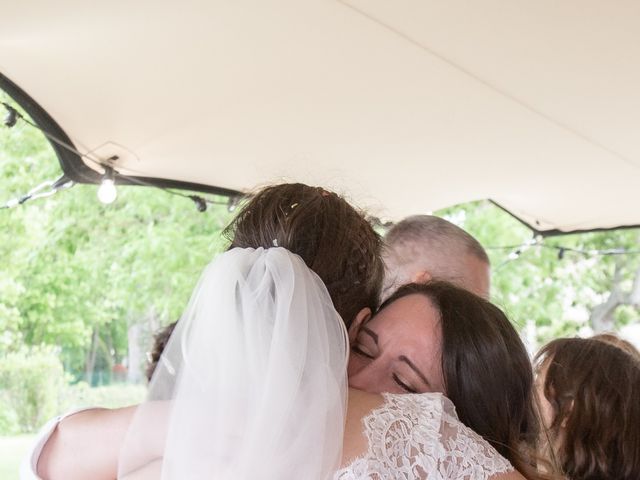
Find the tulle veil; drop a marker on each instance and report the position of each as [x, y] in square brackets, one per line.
[252, 383]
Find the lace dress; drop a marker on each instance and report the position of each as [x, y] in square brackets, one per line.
[419, 436]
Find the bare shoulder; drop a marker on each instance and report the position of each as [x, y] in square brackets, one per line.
[355, 441]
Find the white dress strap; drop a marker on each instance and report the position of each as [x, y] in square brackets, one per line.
[29, 465]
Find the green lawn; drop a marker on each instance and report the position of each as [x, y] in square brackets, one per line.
[12, 451]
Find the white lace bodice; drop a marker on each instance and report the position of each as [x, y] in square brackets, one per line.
[420, 437]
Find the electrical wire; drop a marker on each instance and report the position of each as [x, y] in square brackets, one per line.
[201, 202]
[13, 115]
[562, 249]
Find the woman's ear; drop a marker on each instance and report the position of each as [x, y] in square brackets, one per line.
[362, 317]
[421, 277]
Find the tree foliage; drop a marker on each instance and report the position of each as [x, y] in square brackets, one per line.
[30, 384]
[551, 289]
[77, 274]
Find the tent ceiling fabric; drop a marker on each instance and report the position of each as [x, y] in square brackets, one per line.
[406, 106]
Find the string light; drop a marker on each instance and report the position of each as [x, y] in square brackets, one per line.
[563, 250]
[11, 117]
[107, 192]
[45, 189]
[232, 204]
[201, 205]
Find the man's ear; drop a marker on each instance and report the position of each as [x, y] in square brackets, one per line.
[362, 317]
[421, 277]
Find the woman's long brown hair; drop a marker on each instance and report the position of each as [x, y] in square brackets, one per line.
[487, 372]
[594, 391]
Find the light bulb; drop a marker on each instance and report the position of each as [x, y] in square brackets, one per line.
[107, 192]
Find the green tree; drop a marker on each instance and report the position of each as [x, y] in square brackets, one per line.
[557, 286]
[78, 274]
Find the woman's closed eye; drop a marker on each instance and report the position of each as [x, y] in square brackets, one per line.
[403, 384]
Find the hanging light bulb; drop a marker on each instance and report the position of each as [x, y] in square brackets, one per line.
[11, 118]
[107, 192]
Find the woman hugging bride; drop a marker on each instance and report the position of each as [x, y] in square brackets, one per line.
[253, 382]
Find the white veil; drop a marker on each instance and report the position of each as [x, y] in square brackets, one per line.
[252, 383]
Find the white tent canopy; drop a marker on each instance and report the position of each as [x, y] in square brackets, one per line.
[406, 106]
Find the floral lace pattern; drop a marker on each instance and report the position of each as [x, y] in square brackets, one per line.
[420, 437]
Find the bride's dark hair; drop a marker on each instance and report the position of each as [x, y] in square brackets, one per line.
[334, 239]
[487, 372]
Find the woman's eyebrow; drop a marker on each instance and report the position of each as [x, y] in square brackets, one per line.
[371, 333]
[402, 358]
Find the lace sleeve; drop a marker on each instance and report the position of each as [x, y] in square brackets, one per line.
[420, 437]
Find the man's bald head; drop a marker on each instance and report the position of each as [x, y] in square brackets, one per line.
[422, 247]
